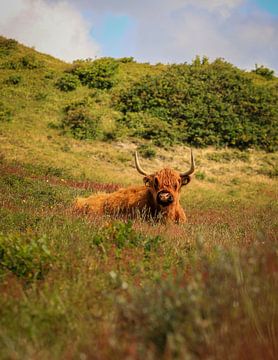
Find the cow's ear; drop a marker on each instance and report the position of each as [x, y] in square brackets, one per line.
[147, 180]
[185, 180]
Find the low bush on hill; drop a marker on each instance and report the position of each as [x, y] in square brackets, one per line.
[147, 151]
[147, 126]
[68, 82]
[13, 79]
[81, 121]
[264, 72]
[204, 104]
[28, 61]
[97, 74]
[7, 46]
[24, 257]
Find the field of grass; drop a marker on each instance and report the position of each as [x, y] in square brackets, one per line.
[77, 287]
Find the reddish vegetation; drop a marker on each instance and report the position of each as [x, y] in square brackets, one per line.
[86, 185]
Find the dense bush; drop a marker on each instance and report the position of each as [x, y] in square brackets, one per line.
[147, 126]
[13, 79]
[80, 120]
[147, 151]
[68, 82]
[264, 71]
[24, 257]
[97, 74]
[207, 104]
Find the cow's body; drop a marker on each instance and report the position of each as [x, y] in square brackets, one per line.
[158, 199]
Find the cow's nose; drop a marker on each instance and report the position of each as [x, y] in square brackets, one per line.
[165, 198]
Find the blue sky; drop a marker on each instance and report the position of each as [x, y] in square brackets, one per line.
[269, 5]
[112, 32]
[113, 29]
[244, 32]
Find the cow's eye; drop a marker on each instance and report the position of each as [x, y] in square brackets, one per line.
[176, 186]
[156, 183]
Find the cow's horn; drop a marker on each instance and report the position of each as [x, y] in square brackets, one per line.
[138, 166]
[192, 166]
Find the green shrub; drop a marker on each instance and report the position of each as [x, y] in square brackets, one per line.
[147, 151]
[207, 104]
[264, 72]
[80, 120]
[122, 235]
[149, 127]
[30, 61]
[14, 79]
[26, 258]
[97, 74]
[126, 60]
[200, 175]
[68, 82]
[7, 46]
[49, 75]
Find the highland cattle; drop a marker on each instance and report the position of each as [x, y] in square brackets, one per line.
[157, 199]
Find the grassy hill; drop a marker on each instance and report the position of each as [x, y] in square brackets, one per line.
[73, 286]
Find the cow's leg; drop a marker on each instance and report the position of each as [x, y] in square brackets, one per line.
[180, 216]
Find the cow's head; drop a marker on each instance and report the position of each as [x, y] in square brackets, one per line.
[165, 185]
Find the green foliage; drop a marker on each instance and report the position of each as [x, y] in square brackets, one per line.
[7, 46]
[26, 258]
[114, 288]
[81, 121]
[126, 60]
[28, 61]
[147, 126]
[147, 151]
[68, 82]
[97, 74]
[264, 72]
[122, 235]
[200, 175]
[228, 156]
[207, 104]
[14, 79]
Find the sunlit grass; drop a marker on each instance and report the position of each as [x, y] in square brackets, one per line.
[75, 286]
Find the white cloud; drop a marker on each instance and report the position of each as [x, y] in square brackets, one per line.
[55, 28]
[241, 38]
[163, 30]
[177, 30]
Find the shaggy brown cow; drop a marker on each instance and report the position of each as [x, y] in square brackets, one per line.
[159, 198]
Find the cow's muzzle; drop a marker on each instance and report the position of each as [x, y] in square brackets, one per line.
[164, 198]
